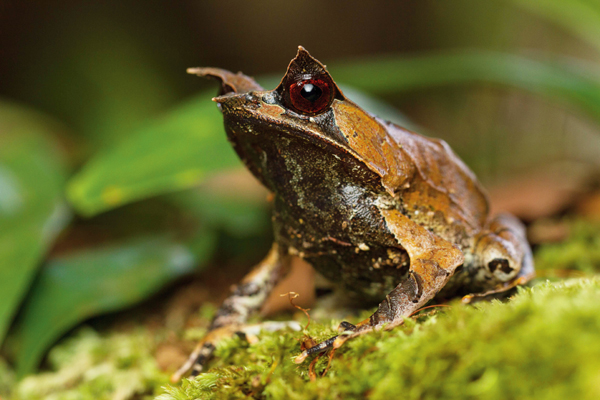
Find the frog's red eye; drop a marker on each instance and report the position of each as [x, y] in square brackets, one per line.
[310, 96]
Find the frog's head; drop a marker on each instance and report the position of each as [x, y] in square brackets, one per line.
[305, 100]
[307, 103]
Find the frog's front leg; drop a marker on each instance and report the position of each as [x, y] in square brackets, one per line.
[433, 260]
[246, 298]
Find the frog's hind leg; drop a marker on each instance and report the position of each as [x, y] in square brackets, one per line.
[245, 299]
[433, 261]
[504, 253]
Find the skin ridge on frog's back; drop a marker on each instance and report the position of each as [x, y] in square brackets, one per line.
[440, 170]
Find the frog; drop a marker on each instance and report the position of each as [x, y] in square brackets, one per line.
[388, 215]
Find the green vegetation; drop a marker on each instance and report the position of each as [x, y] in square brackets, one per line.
[581, 252]
[32, 209]
[90, 367]
[541, 344]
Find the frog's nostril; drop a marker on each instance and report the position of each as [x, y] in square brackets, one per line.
[269, 98]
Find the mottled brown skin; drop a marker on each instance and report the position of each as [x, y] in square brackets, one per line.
[389, 215]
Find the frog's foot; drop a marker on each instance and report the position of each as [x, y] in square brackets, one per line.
[401, 302]
[345, 328]
[245, 299]
[347, 332]
[206, 348]
[499, 292]
[202, 353]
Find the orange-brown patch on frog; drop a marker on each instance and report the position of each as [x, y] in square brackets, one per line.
[443, 180]
[370, 140]
[274, 110]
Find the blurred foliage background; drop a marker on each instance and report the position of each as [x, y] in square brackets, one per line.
[115, 176]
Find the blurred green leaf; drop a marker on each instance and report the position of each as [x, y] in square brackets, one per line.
[72, 288]
[99, 75]
[32, 210]
[565, 81]
[178, 151]
[237, 215]
[581, 17]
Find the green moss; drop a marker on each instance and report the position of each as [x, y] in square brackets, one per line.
[88, 366]
[7, 378]
[543, 344]
[580, 251]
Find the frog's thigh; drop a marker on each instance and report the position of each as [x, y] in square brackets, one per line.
[246, 298]
[432, 263]
[503, 249]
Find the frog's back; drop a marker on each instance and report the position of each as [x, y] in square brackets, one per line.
[423, 172]
[441, 180]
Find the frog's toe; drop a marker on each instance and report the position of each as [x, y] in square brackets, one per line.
[346, 326]
[319, 348]
[195, 362]
[203, 353]
[347, 331]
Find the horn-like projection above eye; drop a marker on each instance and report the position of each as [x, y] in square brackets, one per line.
[307, 88]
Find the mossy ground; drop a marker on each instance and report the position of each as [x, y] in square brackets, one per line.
[89, 366]
[542, 344]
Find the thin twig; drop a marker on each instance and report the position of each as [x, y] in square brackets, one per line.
[311, 368]
[331, 353]
[292, 296]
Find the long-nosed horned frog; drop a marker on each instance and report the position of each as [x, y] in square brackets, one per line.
[387, 214]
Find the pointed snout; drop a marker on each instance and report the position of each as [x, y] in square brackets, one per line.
[232, 102]
[230, 82]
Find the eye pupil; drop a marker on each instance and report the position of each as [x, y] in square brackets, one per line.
[311, 92]
[311, 96]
